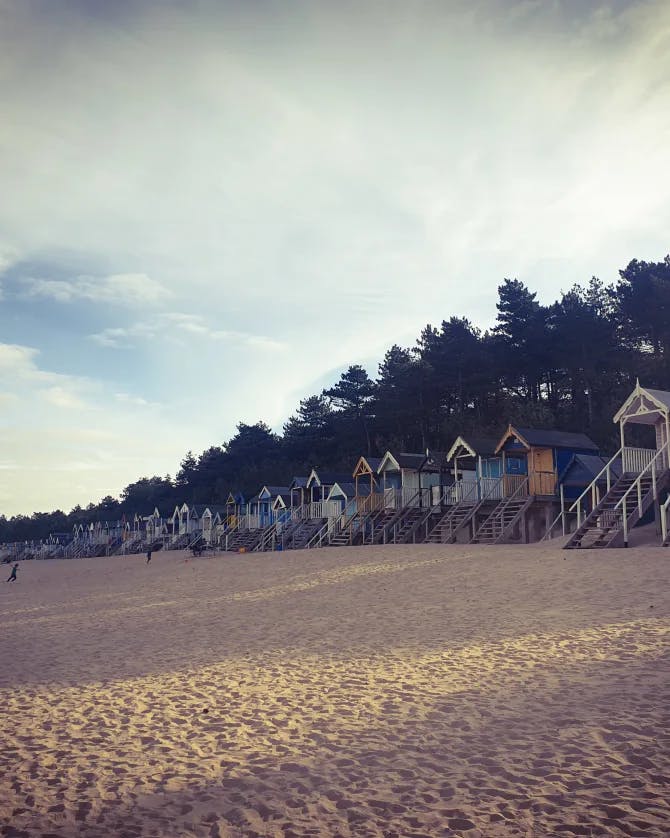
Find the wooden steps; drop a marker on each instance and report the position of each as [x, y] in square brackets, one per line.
[405, 527]
[499, 524]
[300, 536]
[248, 539]
[351, 531]
[452, 522]
[603, 526]
[378, 524]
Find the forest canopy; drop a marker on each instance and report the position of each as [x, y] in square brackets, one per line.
[566, 365]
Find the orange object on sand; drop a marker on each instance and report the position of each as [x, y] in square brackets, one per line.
[243, 549]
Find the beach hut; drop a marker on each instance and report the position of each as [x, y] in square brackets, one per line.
[153, 525]
[476, 468]
[365, 475]
[399, 478]
[281, 506]
[236, 507]
[644, 479]
[260, 506]
[300, 495]
[532, 458]
[319, 484]
[211, 517]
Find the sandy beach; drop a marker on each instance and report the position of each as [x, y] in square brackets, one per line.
[391, 691]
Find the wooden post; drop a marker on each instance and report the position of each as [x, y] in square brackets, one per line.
[625, 524]
[563, 508]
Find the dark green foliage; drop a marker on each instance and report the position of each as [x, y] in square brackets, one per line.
[567, 365]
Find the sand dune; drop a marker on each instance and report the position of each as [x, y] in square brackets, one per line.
[392, 691]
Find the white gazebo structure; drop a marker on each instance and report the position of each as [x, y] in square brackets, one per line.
[642, 483]
[645, 406]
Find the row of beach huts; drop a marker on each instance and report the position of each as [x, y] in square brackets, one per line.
[528, 485]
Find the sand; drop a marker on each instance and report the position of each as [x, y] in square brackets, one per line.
[377, 691]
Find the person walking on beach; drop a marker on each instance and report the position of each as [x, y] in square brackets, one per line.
[12, 575]
[148, 555]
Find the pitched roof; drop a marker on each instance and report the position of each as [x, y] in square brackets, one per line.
[583, 469]
[553, 439]
[435, 460]
[276, 490]
[404, 459]
[662, 396]
[348, 489]
[298, 483]
[214, 508]
[482, 446]
[329, 477]
[659, 398]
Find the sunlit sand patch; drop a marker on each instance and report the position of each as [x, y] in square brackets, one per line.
[317, 732]
[562, 731]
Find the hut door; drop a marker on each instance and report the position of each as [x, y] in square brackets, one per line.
[542, 476]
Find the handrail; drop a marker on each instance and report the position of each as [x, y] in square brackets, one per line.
[492, 486]
[664, 518]
[342, 521]
[266, 538]
[523, 485]
[317, 539]
[637, 485]
[501, 506]
[636, 482]
[399, 515]
[593, 486]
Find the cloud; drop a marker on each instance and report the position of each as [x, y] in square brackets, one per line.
[23, 379]
[63, 397]
[119, 289]
[71, 439]
[262, 162]
[175, 325]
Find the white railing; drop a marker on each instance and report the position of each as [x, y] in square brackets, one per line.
[465, 491]
[665, 519]
[514, 484]
[658, 463]
[610, 477]
[491, 488]
[324, 509]
[636, 460]
[594, 487]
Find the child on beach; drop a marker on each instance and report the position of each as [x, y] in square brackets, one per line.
[148, 555]
[12, 575]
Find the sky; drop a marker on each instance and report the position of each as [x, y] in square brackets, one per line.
[209, 209]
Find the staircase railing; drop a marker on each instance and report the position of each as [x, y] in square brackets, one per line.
[269, 536]
[520, 491]
[492, 489]
[652, 469]
[340, 523]
[636, 460]
[665, 520]
[410, 501]
[594, 489]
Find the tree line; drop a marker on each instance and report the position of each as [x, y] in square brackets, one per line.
[566, 365]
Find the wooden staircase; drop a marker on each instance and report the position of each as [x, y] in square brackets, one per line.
[452, 522]
[498, 525]
[350, 532]
[248, 539]
[408, 523]
[378, 525]
[604, 525]
[299, 536]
